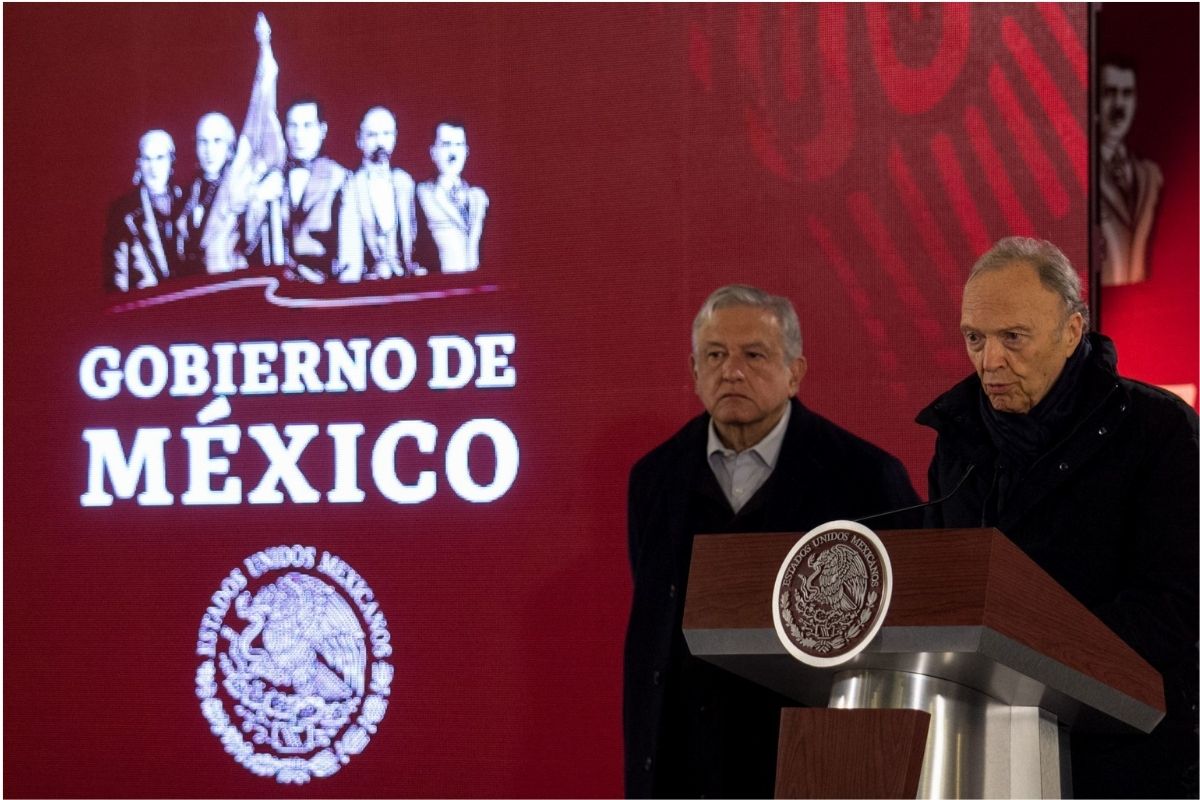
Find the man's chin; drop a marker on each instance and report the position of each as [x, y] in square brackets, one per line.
[741, 413]
[1008, 405]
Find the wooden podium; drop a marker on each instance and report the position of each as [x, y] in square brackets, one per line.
[982, 668]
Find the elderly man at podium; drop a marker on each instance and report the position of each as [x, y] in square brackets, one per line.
[1093, 475]
[757, 460]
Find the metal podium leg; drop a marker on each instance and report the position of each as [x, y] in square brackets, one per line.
[977, 747]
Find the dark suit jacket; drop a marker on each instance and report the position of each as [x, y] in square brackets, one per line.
[692, 729]
[310, 228]
[142, 252]
[446, 241]
[312, 225]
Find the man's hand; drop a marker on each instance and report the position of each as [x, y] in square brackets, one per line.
[269, 188]
[309, 274]
[268, 69]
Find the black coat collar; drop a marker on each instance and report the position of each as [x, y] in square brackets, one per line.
[1103, 403]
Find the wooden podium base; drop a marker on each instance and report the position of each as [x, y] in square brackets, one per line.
[827, 752]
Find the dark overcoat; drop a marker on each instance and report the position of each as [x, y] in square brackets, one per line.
[1110, 511]
[692, 729]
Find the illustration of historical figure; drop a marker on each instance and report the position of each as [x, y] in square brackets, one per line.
[233, 169]
[379, 219]
[143, 245]
[1129, 186]
[450, 210]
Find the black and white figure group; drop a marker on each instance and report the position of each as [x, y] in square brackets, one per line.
[269, 198]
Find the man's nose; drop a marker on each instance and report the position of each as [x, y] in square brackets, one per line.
[733, 368]
[993, 355]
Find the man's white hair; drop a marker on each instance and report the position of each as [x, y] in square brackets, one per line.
[737, 294]
[155, 133]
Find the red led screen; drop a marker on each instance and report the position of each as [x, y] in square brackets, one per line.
[453, 446]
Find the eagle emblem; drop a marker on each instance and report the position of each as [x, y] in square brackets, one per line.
[298, 666]
[294, 679]
[841, 579]
[831, 593]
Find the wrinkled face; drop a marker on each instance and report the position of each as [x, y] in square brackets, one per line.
[377, 136]
[1018, 335]
[214, 144]
[1118, 101]
[742, 375]
[449, 150]
[305, 133]
[154, 161]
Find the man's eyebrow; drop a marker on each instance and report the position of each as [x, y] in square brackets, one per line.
[1019, 328]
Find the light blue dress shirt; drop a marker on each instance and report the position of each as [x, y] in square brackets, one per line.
[740, 475]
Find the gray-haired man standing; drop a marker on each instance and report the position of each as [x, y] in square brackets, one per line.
[757, 460]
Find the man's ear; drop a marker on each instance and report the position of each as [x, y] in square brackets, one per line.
[798, 368]
[1074, 329]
